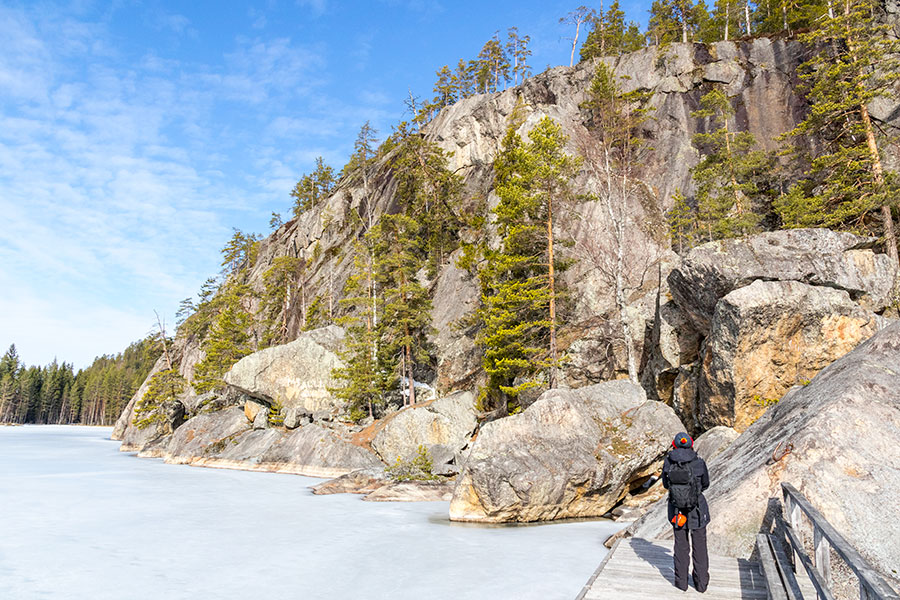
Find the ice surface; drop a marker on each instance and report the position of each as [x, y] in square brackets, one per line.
[82, 520]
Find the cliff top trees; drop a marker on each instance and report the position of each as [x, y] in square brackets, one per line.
[578, 17]
[609, 35]
[312, 188]
[848, 186]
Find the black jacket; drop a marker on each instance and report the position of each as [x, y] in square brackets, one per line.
[698, 517]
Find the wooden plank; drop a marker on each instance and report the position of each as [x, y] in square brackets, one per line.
[788, 578]
[770, 571]
[640, 569]
[597, 571]
[822, 550]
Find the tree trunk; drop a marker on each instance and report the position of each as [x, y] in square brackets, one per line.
[890, 238]
[747, 15]
[574, 42]
[411, 380]
[554, 358]
[727, 18]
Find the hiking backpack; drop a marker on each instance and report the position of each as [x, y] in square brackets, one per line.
[684, 488]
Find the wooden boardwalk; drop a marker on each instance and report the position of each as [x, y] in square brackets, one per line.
[636, 569]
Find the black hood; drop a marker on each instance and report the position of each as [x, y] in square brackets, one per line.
[682, 455]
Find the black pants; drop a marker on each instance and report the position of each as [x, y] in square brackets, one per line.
[683, 558]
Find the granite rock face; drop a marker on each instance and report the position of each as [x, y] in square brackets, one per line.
[198, 435]
[309, 450]
[447, 423]
[712, 442]
[228, 439]
[818, 257]
[844, 427]
[296, 374]
[767, 337]
[573, 453]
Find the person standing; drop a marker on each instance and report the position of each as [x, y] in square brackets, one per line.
[685, 475]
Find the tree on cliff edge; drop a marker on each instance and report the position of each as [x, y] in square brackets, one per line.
[847, 186]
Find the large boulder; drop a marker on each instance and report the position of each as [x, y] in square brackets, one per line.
[767, 337]
[844, 427]
[446, 422]
[818, 257]
[310, 450]
[573, 453]
[297, 374]
[204, 433]
[714, 441]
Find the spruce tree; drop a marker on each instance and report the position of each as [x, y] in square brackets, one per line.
[160, 396]
[280, 281]
[228, 340]
[728, 173]
[519, 292]
[848, 186]
[405, 324]
[366, 378]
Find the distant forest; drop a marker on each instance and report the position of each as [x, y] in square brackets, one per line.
[55, 394]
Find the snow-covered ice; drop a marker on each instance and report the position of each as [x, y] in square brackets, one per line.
[81, 520]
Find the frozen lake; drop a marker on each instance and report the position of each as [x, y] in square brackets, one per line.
[83, 520]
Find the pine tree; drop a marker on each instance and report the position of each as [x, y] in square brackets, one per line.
[239, 252]
[228, 340]
[848, 186]
[280, 281]
[159, 398]
[517, 49]
[609, 35]
[519, 292]
[493, 66]
[428, 191]
[663, 26]
[682, 223]
[365, 378]
[313, 188]
[579, 17]
[446, 90]
[613, 155]
[405, 324]
[727, 176]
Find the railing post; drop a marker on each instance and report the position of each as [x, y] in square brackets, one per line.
[796, 523]
[823, 554]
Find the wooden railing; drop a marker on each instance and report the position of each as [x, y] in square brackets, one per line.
[872, 586]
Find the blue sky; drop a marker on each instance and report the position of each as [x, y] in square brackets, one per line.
[135, 135]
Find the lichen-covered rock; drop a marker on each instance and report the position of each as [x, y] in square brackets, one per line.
[204, 433]
[447, 422]
[360, 481]
[819, 257]
[297, 374]
[844, 427]
[769, 336]
[412, 491]
[573, 453]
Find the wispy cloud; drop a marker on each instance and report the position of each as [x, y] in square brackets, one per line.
[118, 181]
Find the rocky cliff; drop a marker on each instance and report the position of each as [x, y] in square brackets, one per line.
[759, 74]
[722, 333]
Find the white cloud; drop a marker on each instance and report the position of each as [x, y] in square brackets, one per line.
[120, 176]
